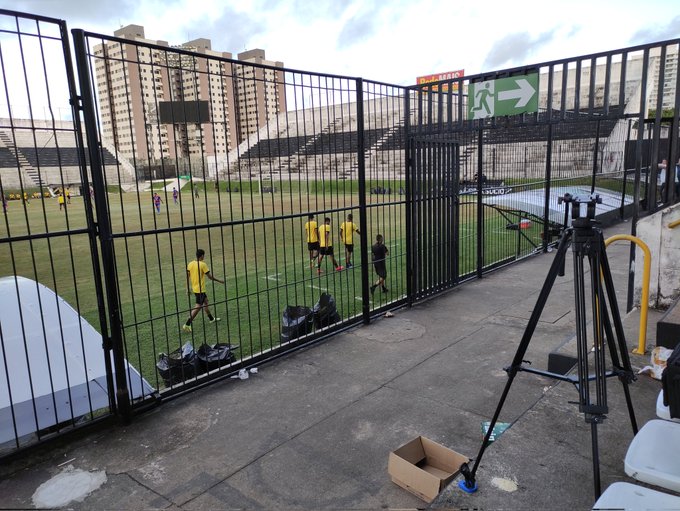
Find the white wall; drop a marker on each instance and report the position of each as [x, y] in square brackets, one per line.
[664, 244]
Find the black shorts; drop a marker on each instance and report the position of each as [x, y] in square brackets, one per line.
[326, 250]
[313, 245]
[201, 298]
[349, 248]
[381, 269]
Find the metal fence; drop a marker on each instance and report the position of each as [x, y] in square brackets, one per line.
[183, 149]
[54, 373]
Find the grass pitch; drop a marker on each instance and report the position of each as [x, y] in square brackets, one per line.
[253, 241]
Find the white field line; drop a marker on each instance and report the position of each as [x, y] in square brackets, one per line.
[273, 276]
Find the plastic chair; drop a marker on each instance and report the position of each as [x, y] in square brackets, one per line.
[662, 411]
[654, 455]
[633, 497]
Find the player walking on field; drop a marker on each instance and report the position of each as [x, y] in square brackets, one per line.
[197, 271]
[175, 194]
[326, 245]
[312, 230]
[347, 230]
[157, 201]
[379, 252]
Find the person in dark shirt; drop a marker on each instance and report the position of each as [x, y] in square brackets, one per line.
[379, 252]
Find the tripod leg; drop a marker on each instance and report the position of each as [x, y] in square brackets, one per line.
[469, 485]
[596, 460]
[626, 374]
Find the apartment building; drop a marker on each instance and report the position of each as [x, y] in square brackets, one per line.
[260, 91]
[181, 102]
[662, 75]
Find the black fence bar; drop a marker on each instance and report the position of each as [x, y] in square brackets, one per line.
[115, 341]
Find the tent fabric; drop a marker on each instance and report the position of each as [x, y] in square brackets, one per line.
[52, 365]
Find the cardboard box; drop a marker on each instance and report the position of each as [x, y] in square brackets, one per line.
[424, 467]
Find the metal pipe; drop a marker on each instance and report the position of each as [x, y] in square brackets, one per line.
[644, 306]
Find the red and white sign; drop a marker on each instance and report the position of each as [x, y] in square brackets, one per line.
[440, 77]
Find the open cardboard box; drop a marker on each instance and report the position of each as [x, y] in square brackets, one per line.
[424, 467]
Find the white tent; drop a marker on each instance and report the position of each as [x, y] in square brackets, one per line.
[52, 365]
[532, 201]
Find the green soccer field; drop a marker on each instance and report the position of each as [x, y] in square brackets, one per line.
[256, 242]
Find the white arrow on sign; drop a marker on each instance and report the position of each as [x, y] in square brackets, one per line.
[523, 94]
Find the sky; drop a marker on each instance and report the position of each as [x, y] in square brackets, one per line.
[392, 41]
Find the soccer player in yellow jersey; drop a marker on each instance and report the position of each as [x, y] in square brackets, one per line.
[326, 245]
[312, 230]
[197, 271]
[347, 230]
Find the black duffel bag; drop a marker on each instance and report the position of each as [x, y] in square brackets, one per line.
[178, 366]
[297, 321]
[325, 311]
[215, 357]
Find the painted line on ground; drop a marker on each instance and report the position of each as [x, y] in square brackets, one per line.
[273, 276]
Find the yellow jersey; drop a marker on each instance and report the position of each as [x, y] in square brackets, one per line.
[323, 242]
[312, 232]
[347, 232]
[197, 271]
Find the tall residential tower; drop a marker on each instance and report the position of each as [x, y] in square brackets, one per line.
[186, 102]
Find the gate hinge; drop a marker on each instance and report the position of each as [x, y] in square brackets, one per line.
[107, 345]
[76, 102]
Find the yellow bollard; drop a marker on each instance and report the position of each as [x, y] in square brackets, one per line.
[647, 269]
[674, 224]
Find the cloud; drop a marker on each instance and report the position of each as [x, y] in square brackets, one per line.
[515, 47]
[358, 28]
[232, 31]
[371, 18]
[657, 32]
[76, 10]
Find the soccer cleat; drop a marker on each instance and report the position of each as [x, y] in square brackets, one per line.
[186, 328]
[214, 320]
[349, 265]
[384, 289]
[373, 288]
[339, 268]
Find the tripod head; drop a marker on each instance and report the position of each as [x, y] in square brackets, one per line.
[576, 202]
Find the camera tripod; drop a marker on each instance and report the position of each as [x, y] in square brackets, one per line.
[586, 241]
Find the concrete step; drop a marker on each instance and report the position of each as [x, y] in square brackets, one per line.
[668, 327]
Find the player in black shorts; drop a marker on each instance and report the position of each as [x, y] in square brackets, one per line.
[379, 252]
[326, 245]
[312, 231]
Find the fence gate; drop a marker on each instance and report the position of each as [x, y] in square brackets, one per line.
[432, 214]
[56, 369]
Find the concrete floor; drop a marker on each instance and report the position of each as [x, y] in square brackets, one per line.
[314, 430]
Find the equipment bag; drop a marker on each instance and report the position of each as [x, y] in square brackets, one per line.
[670, 380]
[215, 357]
[325, 311]
[178, 366]
[297, 321]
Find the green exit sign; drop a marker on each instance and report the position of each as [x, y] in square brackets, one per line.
[503, 96]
